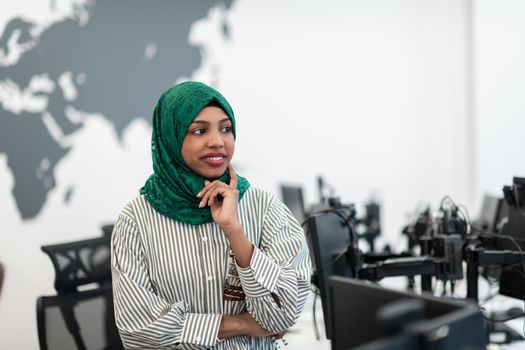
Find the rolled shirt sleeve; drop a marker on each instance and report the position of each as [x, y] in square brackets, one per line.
[277, 281]
[145, 320]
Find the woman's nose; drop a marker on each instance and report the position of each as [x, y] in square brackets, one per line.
[215, 140]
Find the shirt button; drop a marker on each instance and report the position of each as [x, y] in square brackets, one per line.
[205, 239]
[197, 338]
[210, 278]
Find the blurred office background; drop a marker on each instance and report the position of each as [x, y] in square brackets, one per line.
[407, 100]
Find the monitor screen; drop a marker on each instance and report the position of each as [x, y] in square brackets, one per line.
[362, 313]
[292, 197]
[329, 239]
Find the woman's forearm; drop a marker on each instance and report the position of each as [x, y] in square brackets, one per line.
[242, 324]
[240, 244]
[231, 326]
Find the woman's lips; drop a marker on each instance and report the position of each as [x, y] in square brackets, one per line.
[214, 161]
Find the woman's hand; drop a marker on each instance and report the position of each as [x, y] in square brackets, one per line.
[243, 324]
[252, 328]
[222, 199]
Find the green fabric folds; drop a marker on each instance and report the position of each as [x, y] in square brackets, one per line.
[172, 188]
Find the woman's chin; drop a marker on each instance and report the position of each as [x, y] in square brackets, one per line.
[212, 175]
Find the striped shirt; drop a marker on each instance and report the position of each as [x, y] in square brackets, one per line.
[172, 280]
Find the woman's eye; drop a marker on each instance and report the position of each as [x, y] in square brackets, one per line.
[227, 129]
[198, 131]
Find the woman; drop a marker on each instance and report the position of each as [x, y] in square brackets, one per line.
[201, 259]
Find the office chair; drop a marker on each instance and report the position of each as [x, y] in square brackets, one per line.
[79, 320]
[74, 318]
[80, 263]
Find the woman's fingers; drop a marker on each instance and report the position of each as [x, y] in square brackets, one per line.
[211, 190]
[209, 185]
[214, 194]
[206, 183]
[206, 194]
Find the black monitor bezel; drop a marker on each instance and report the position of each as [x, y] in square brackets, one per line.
[512, 280]
[452, 314]
[328, 262]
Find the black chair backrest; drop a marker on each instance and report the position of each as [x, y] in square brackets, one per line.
[75, 319]
[79, 320]
[81, 262]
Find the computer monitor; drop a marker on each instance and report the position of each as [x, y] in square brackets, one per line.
[330, 241]
[512, 281]
[489, 212]
[292, 197]
[368, 316]
[494, 212]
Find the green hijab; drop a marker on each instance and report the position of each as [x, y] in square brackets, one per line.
[172, 188]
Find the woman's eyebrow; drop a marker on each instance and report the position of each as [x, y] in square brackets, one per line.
[200, 122]
[206, 122]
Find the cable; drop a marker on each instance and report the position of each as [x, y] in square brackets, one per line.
[316, 330]
[512, 239]
[463, 210]
[492, 235]
[336, 211]
[482, 232]
[346, 221]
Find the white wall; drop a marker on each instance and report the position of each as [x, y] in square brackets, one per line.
[372, 94]
[499, 90]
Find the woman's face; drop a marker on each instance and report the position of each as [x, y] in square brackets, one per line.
[208, 145]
